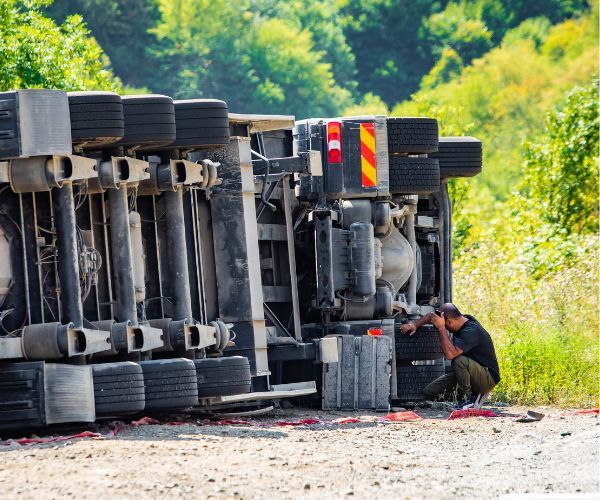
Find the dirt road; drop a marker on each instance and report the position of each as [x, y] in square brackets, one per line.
[429, 458]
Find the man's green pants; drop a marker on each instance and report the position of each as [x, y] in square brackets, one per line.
[468, 375]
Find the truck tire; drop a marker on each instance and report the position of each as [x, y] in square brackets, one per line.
[412, 135]
[201, 124]
[118, 388]
[170, 383]
[459, 156]
[410, 175]
[96, 118]
[423, 345]
[149, 121]
[227, 376]
[412, 379]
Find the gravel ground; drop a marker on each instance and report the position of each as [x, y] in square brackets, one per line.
[429, 458]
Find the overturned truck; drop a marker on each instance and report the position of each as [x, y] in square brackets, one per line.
[159, 255]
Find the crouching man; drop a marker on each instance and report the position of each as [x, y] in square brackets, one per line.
[474, 365]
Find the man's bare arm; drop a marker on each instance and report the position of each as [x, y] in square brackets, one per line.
[423, 320]
[411, 326]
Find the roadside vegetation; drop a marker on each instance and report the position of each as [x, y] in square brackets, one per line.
[520, 76]
[526, 230]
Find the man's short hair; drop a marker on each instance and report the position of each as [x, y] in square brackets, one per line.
[450, 311]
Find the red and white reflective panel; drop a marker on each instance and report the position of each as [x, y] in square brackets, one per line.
[334, 142]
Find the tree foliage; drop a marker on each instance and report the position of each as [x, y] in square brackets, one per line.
[449, 66]
[561, 168]
[502, 98]
[257, 64]
[36, 52]
[323, 19]
[384, 36]
[396, 43]
[343, 52]
[456, 29]
[122, 28]
[532, 272]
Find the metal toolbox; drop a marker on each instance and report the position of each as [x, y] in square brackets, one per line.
[360, 380]
[34, 394]
[34, 122]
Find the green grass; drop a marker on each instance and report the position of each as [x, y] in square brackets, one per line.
[546, 331]
[549, 367]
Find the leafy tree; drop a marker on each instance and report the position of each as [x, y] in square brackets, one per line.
[503, 96]
[323, 20]
[378, 47]
[396, 42]
[467, 35]
[502, 99]
[448, 66]
[122, 28]
[473, 27]
[535, 29]
[384, 36]
[500, 16]
[561, 175]
[36, 52]
[255, 64]
[291, 76]
[371, 104]
[517, 11]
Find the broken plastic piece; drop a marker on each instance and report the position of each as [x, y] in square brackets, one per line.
[403, 416]
[532, 416]
[456, 414]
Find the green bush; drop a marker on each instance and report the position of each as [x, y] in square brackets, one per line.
[561, 171]
[36, 52]
[545, 330]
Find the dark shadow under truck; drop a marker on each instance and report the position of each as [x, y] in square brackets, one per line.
[159, 255]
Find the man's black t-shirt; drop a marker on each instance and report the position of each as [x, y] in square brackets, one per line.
[477, 344]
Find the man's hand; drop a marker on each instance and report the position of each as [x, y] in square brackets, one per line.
[438, 321]
[412, 326]
[408, 328]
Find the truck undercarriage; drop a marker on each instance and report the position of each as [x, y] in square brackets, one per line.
[158, 255]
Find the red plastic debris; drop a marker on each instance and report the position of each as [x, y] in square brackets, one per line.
[402, 416]
[347, 420]
[306, 421]
[55, 439]
[473, 412]
[145, 421]
[591, 411]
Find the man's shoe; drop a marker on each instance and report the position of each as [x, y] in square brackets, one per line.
[464, 404]
[479, 399]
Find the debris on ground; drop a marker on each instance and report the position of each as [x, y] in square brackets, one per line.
[532, 416]
[472, 412]
[373, 455]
